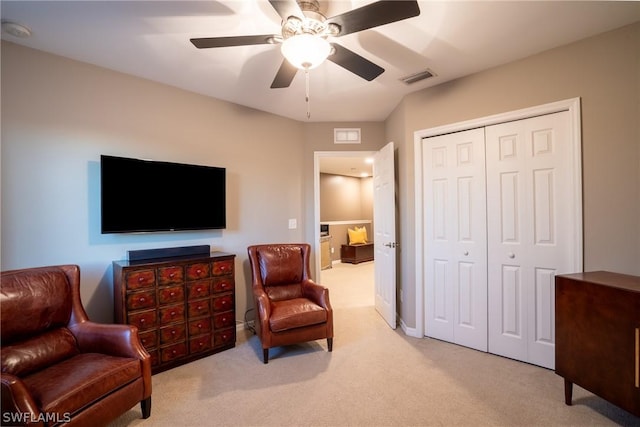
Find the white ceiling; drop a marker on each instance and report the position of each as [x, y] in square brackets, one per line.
[150, 39]
[453, 39]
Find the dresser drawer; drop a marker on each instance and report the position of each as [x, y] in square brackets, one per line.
[198, 289]
[171, 313]
[170, 275]
[198, 270]
[140, 300]
[198, 308]
[200, 326]
[172, 333]
[200, 343]
[148, 339]
[171, 294]
[221, 284]
[140, 279]
[172, 352]
[222, 303]
[225, 337]
[224, 320]
[143, 319]
[222, 267]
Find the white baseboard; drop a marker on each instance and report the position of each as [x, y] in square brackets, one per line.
[412, 332]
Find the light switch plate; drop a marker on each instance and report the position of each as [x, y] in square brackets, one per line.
[293, 224]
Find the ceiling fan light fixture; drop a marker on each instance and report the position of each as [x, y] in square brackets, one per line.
[305, 51]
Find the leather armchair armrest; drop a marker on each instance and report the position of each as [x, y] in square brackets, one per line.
[112, 339]
[263, 306]
[316, 293]
[16, 402]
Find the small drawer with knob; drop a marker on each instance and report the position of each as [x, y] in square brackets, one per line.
[140, 279]
[171, 294]
[172, 333]
[172, 352]
[224, 337]
[198, 289]
[171, 313]
[222, 284]
[224, 320]
[197, 271]
[198, 308]
[200, 343]
[148, 339]
[143, 319]
[200, 326]
[223, 303]
[222, 267]
[170, 275]
[140, 300]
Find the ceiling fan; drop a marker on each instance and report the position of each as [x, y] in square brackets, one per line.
[304, 34]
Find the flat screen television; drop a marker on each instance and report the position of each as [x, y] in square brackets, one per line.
[145, 196]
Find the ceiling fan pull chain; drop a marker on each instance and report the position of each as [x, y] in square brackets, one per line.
[306, 77]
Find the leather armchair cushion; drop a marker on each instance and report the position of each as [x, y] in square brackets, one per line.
[295, 313]
[36, 353]
[281, 265]
[73, 384]
[33, 303]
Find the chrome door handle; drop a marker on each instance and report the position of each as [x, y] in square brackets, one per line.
[392, 245]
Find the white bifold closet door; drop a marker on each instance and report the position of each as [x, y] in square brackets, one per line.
[456, 256]
[498, 220]
[529, 211]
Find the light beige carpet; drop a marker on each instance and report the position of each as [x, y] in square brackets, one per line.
[375, 376]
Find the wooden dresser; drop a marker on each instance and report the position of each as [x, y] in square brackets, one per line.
[184, 307]
[598, 336]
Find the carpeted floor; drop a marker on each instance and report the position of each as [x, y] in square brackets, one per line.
[375, 376]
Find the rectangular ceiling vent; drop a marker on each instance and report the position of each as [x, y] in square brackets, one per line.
[414, 78]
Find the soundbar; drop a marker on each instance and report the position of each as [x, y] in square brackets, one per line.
[182, 251]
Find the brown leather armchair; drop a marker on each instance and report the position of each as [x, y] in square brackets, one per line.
[57, 366]
[290, 307]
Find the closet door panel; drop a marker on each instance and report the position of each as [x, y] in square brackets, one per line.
[528, 192]
[455, 229]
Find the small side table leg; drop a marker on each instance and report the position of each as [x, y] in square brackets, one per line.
[568, 391]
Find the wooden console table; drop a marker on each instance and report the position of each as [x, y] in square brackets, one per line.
[598, 336]
[355, 254]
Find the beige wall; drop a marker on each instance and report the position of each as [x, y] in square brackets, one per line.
[604, 71]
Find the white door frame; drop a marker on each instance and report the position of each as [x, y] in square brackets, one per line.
[571, 105]
[316, 196]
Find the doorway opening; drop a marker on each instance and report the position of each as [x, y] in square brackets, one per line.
[343, 199]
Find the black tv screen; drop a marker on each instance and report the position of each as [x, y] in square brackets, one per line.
[142, 195]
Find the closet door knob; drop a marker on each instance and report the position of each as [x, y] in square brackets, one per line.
[466, 253]
[511, 255]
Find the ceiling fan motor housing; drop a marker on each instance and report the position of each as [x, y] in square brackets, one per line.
[313, 22]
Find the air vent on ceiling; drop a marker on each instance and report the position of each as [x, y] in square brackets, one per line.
[413, 78]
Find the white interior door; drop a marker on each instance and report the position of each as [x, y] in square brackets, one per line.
[455, 237]
[384, 225]
[529, 210]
